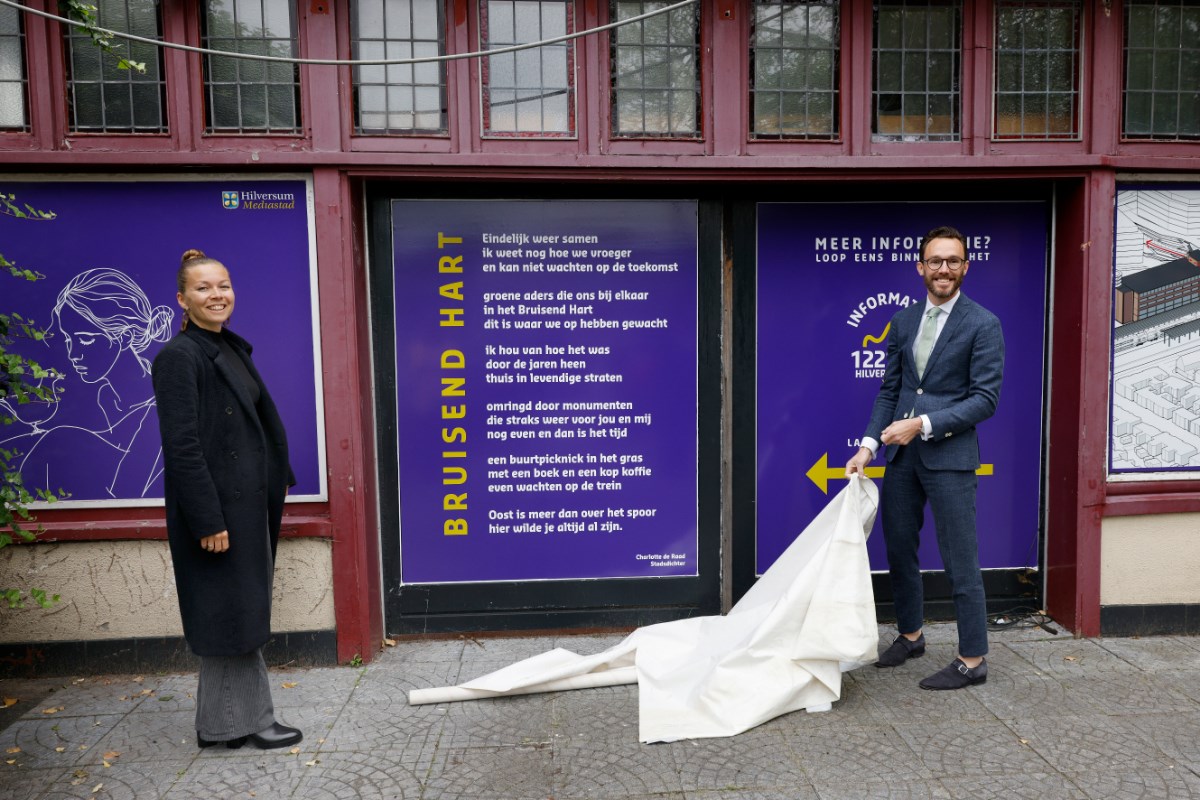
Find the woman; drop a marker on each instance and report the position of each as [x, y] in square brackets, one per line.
[226, 477]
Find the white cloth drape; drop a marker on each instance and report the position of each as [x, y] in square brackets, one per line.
[781, 648]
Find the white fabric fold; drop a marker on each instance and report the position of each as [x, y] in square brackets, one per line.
[781, 648]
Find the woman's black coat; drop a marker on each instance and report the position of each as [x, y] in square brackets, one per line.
[226, 469]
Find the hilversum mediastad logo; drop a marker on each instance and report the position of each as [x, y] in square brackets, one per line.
[254, 200]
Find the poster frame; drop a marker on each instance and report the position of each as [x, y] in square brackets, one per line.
[511, 605]
[1127, 475]
[1006, 588]
[322, 495]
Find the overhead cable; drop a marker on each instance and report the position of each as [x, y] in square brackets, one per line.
[338, 62]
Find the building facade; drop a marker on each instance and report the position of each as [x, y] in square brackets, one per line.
[754, 143]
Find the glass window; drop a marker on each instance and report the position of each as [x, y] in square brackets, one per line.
[251, 96]
[104, 98]
[13, 81]
[655, 80]
[528, 93]
[1162, 65]
[399, 98]
[794, 69]
[917, 46]
[1037, 69]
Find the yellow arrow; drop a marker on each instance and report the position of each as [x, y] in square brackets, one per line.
[821, 473]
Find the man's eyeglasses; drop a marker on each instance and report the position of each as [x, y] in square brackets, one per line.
[953, 264]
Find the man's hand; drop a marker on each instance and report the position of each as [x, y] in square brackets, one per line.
[902, 431]
[217, 543]
[858, 463]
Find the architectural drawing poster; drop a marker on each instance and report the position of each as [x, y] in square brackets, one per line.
[546, 413]
[107, 301]
[830, 278]
[1155, 424]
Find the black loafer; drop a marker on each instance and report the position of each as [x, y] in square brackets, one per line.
[901, 650]
[275, 736]
[232, 744]
[956, 675]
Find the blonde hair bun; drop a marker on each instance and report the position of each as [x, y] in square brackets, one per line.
[190, 255]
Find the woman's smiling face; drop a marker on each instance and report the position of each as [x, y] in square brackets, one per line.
[207, 295]
[92, 351]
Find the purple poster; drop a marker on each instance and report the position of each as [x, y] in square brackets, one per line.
[830, 278]
[546, 403]
[109, 257]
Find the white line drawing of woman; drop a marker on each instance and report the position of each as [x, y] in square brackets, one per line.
[106, 323]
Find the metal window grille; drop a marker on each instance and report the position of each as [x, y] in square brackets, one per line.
[399, 98]
[529, 93]
[106, 99]
[14, 83]
[1162, 70]
[794, 69]
[251, 96]
[1037, 71]
[917, 70]
[655, 82]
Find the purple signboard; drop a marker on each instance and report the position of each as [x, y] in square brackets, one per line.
[830, 278]
[546, 404]
[109, 257]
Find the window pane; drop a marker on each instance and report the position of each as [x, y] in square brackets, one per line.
[502, 71]
[793, 47]
[766, 112]
[1166, 69]
[1189, 114]
[531, 92]
[252, 71]
[1060, 113]
[767, 69]
[916, 66]
[87, 106]
[1166, 113]
[1060, 28]
[528, 71]
[655, 85]
[887, 28]
[1060, 72]
[1166, 26]
[254, 106]
[942, 115]
[1162, 56]
[1137, 114]
[913, 72]
[105, 98]
[1139, 71]
[1035, 72]
[251, 96]
[629, 111]
[1037, 58]
[1035, 112]
[1008, 72]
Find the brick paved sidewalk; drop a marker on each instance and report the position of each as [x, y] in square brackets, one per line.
[1058, 718]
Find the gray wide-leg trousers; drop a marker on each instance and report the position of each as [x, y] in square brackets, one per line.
[234, 697]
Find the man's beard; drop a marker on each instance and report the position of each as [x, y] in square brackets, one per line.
[955, 282]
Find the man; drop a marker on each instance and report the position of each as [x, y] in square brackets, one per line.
[945, 363]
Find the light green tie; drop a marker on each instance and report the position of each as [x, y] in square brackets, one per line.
[925, 342]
